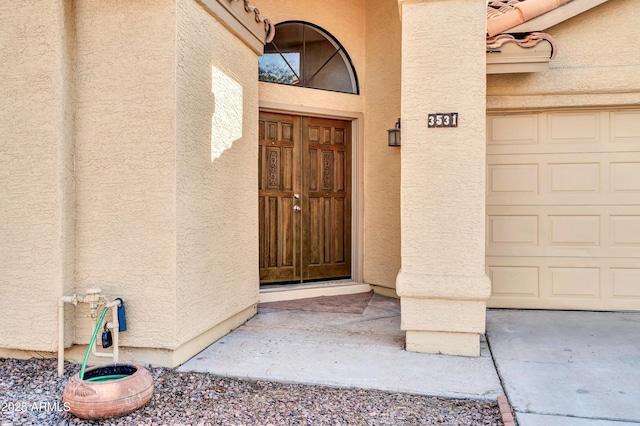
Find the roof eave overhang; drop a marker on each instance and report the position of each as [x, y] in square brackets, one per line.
[505, 54]
[242, 19]
[555, 16]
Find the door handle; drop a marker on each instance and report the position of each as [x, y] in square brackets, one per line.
[297, 207]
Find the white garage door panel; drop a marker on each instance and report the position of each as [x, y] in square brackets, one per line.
[564, 283]
[560, 132]
[576, 231]
[570, 178]
[563, 210]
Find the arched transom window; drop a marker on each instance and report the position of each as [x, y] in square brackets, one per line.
[303, 54]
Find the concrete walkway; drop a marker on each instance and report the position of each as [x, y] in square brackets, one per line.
[557, 368]
[568, 368]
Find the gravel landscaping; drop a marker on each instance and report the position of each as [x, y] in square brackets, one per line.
[31, 394]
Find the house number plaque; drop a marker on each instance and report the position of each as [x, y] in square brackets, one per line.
[443, 120]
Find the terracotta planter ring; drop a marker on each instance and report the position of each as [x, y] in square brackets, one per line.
[108, 391]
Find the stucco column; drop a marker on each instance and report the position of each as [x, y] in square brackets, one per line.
[442, 283]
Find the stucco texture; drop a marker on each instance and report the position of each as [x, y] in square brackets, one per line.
[382, 163]
[125, 163]
[598, 64]
[217, 173]
[129, 164]
[443, 178]
[443, 168]
[36, 163]
[166, 167]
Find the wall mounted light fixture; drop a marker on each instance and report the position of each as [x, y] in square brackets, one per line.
[394, 135]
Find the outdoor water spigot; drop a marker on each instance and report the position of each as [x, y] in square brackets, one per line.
[122, 318]
[70, 299]
[93, 297]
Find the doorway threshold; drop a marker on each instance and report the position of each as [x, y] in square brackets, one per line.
[277, 293]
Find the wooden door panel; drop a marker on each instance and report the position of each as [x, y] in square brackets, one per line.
[315, 231]
[279, 177]
[326, 238]
[339, 218]
[312, 170]
[327, 166]
[326, 199]
[279, 235]
[340, 165]
[288, 232]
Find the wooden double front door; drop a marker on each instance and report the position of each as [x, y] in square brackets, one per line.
[304, 166]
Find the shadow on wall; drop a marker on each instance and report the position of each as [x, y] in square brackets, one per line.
[226, 123]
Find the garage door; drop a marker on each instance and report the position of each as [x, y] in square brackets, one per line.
[563, 210]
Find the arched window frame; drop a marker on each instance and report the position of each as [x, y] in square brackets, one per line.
[301, 82]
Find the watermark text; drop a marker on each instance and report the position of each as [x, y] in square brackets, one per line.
[19, 406]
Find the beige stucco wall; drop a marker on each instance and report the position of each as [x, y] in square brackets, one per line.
[382, 163]
[217, 186]
[36, 163]
[598, 64]
[167, 181]
[129, 164]
[125, 164]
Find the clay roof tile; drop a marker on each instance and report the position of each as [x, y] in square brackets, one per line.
[505, 14]
[526, 41]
